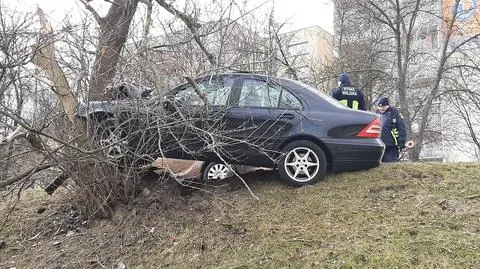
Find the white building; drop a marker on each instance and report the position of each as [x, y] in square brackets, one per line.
[306, 51]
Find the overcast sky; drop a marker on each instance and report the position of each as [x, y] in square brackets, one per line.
[303, 13]
[297, 13]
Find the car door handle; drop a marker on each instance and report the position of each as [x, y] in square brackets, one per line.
[286, 116]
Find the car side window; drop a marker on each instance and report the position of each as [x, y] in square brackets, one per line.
[217, 92]
[289, 101]
[256, 93]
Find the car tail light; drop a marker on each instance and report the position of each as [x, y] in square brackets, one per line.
[373, 130]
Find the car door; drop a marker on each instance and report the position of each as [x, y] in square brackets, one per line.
[263, 116]
[201, 117]
[287, 117]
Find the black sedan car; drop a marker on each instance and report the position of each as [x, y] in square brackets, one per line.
[243, 119]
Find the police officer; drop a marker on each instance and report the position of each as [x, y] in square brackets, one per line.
[394, 133]
[347, 94]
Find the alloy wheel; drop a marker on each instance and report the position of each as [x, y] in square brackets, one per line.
[301, 164]
[110, 139]
[218, 171]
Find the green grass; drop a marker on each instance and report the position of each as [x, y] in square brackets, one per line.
[405, 215]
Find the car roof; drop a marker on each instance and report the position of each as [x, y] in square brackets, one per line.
[293, 85]
[312, 97]
[224, 74]
[290, 83]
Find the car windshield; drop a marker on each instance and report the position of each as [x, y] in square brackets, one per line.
[328, 98]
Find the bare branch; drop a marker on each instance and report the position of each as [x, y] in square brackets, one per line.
[19, 131]
[148, 24]
[192, 25]
[95, 14]
[24, 175]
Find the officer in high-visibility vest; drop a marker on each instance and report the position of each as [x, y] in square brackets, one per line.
[394, 133]
[347, 94]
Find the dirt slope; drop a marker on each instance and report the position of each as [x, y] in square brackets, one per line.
[403, 215]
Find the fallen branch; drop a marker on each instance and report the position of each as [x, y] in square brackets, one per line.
[199, 92]
[25, 174]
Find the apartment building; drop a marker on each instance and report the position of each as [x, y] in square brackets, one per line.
[307, 51]
[456, 118]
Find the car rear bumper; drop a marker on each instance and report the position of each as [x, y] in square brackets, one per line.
[355, 154]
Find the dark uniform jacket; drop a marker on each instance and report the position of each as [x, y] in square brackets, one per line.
[348, 95]
[393, 128]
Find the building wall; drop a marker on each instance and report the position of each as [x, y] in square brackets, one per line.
[461, 122]
[308, 50]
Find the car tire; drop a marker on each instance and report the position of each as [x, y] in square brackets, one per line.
[214, 171]
[303, 163]
[108, 135]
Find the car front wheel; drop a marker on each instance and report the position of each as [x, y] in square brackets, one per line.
[110, 137]
[216, 171]
[303, 163]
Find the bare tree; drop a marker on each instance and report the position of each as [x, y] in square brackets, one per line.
[102, 58]
[417, 35]
[113, 34]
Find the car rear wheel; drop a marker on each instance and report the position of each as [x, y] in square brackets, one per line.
[303, 163]
[216, 171]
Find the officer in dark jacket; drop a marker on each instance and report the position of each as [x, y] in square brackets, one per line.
[347, 94]
[394, 133]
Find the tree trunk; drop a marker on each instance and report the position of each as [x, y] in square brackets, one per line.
[436, 86]
[114, 29]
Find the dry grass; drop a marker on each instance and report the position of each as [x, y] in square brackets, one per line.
[404, 215]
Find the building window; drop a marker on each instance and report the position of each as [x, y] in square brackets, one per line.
[299, 48]
[429, 37]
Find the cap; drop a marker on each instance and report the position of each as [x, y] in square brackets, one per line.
[383, 101]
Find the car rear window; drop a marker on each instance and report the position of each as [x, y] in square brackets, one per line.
[326, 97]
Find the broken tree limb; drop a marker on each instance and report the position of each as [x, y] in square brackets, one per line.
[45, 59]
[199, 92]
